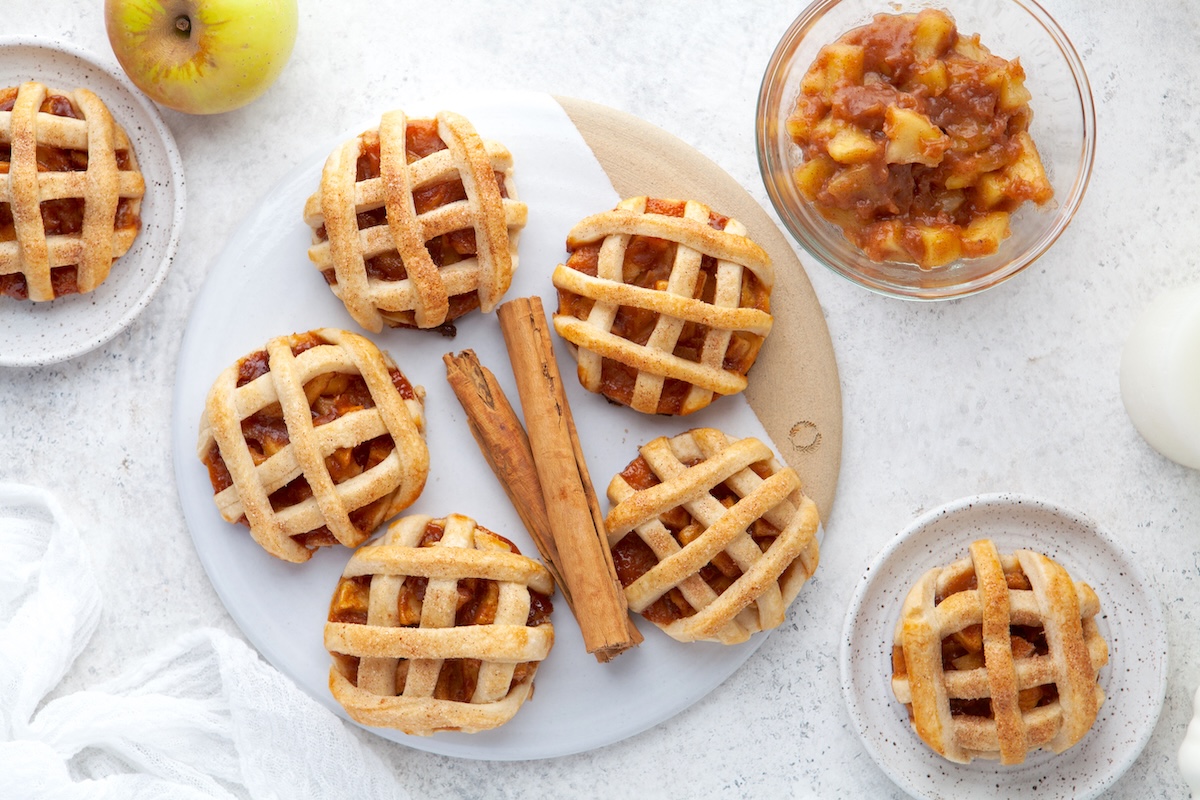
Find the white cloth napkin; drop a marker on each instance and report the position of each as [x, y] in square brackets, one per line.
[203, 717]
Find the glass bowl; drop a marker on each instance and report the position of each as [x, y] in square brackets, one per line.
[1063, 128]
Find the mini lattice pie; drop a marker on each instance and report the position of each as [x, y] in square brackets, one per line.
[712, 538]
[997, 656]
[415, 223]
[440, 625]
[665, 304]
[314, 441]
[70, 192]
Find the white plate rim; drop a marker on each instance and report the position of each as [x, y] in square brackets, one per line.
[165, 142]
[1104, 777]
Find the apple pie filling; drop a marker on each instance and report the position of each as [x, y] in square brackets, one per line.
[330, 396]
[633, 558]
[61, 216]
[477, 602]
[916, 140]
[648, 264]
[421, 139]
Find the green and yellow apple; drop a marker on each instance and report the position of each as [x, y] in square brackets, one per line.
[202, 56]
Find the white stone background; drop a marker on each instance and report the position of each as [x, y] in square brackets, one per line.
[1012, 390]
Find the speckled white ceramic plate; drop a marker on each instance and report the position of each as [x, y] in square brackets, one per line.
[1131, 621]
[44, 333]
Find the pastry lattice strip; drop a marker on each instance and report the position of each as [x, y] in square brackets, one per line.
[426, 289]
[304, 455]
[759, 598]
[101, 186]
[655, 360]
[382, 644]
[1063, 608]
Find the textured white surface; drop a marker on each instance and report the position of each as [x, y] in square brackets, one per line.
[1014, 390]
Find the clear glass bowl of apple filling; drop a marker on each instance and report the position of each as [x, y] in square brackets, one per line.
[925, 150]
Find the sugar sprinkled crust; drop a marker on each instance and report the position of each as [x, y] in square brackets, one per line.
[712, 537]
[440, 625]
[70, 198]
[664, 303]
[416, 222]
[316, 440]
[997, 656]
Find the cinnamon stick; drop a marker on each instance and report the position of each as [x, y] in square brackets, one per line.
[502, 439]
[573, 512]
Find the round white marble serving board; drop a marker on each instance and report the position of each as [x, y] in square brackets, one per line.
[263, 285]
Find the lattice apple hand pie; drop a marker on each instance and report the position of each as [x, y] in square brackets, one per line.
[664, 303]
[440, 625]
[415, 223]
[997, 656]
[315, 440]
[712, 538]
[70, 192]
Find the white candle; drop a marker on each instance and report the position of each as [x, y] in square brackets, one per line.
[1160, 375]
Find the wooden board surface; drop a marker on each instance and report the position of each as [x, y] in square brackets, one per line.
[794, 387]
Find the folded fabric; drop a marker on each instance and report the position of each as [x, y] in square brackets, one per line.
[203, 717]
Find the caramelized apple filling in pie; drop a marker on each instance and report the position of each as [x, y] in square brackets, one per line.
[634, 558]
[330, 396]
[439, 625]
[997, 656]
[415, 223]
[963, 650]
[70, 198]
[661, 312]
[421, 140]
[711, 537]
[476, 604]
[360, 455]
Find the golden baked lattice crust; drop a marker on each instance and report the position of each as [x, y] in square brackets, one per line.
[665, 304]
[997, 656]
[70, 192]
[711, 536]
[440, 625]
[315, 440]
[415, 223]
